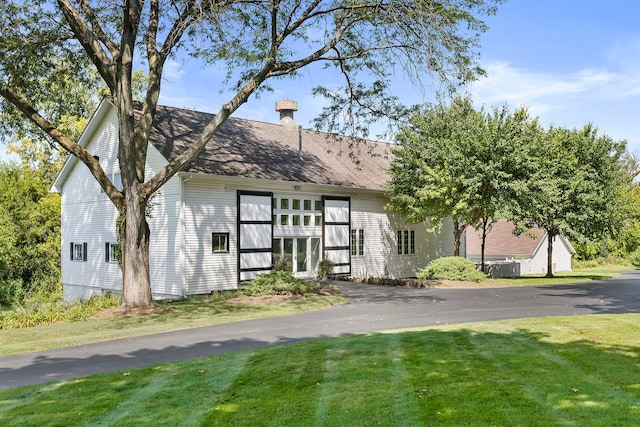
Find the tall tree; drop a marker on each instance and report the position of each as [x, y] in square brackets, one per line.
[430, 172]
[454, 161]
[255, 41]
[573, 186]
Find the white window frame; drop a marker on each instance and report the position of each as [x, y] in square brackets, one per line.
[218, 235]
[78, 251]
[357, 242]
[111, 251]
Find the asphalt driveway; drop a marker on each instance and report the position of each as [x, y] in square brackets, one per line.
[368, 309]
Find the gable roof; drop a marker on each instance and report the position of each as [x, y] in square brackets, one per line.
[501, 241]
[259, 150]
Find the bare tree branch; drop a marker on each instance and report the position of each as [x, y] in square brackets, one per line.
[90, 42]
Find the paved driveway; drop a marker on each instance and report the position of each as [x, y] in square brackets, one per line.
[369, 309]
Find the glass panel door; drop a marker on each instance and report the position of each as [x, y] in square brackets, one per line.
[315, 254]
[301, 255]
[289, 252]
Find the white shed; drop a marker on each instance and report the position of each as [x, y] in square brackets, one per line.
[529, 252]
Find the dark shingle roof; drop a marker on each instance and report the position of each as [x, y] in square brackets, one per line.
[259, 150]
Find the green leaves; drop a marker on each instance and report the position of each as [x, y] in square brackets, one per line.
[29, 232]
[456, 161]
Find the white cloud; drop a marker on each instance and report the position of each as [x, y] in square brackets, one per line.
[173, 70]
[609, 99]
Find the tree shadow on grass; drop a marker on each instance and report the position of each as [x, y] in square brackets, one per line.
[586, 374]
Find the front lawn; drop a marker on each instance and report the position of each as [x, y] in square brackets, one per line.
[572, 371]
[167, 316]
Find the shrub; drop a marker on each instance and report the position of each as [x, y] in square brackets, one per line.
[451, 268]
[324, 268]
[52, 309]
[280, 283]
[634, 258]
[282, 264]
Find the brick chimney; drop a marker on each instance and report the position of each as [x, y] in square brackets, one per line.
[286, 108]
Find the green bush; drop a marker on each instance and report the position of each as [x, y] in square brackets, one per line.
[52, 309]
[634, 258]
[324, 268]
[451, 268]
[282, 264]
[280, 283]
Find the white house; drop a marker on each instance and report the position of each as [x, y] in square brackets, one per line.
[259, 190]
[528, 255]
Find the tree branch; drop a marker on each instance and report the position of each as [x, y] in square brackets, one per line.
[89, 42]
[87, 158]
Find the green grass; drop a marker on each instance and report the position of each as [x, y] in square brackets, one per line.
[167, 317]
[565, 371]
[577, 275]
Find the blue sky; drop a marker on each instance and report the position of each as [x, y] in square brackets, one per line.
[570, 62]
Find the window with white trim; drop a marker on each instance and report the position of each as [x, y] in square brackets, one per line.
[78, 251]
[111, 252]
[220, 242]
[406, 240]
[297, 212]
[357, 242]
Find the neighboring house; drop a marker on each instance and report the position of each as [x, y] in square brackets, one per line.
[257, 191]
[529, 254]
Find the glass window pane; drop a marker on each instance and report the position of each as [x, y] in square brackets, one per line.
[220, 242]
[307, 220]
[354, 242]
[399, 242]
[406, 242]
[307, 205]
[277, 249]
[284, 219]
[284, 203]
[288, 251]
[318, 220]
[315, 252]
[361, 242]
[412, 242]
[318, 205]
[301, 254]
[296, 219]
[296, 204]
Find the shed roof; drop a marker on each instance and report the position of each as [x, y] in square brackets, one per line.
[502, 241]
[260, 150]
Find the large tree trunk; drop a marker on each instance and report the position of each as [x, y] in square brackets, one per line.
[134, 241]
[550, 236]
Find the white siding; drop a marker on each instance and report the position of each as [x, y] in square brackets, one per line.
[89, 216]
[208, 209]
[561, 257]
[380, 227]
[166, 237]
